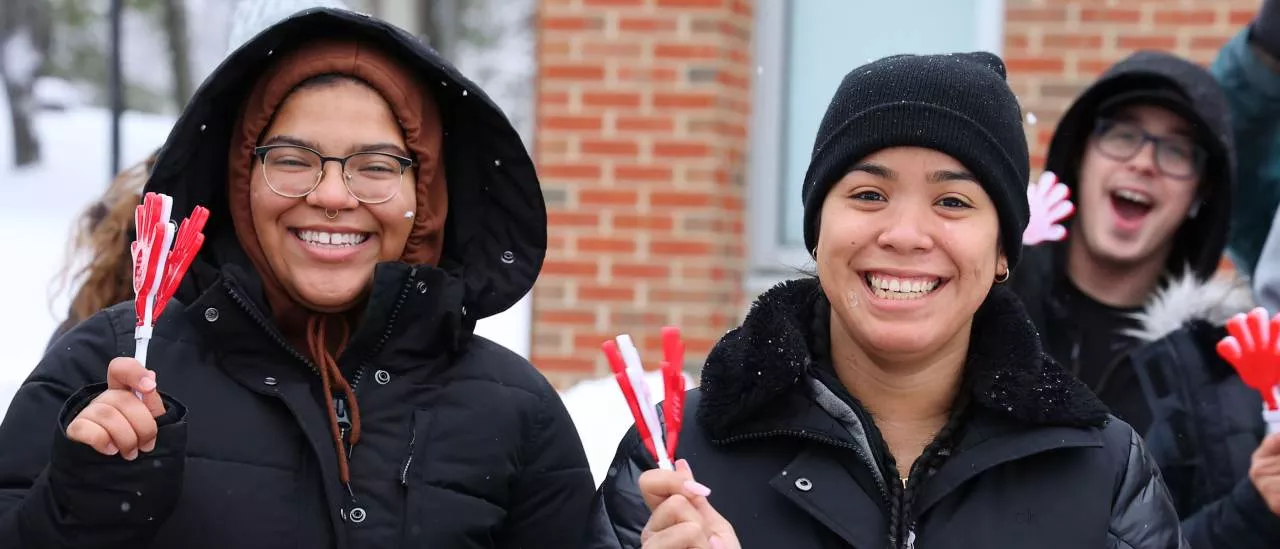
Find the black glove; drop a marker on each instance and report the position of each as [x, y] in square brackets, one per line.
[1265, 30]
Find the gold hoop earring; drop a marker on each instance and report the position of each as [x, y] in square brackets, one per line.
[333, 215]
[1002, 278]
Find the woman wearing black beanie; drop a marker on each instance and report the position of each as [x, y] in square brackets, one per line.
[901, 397]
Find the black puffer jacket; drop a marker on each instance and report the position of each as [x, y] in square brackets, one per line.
[1037, 462]
[1201, 423]
[464, 444]
[1206, 421]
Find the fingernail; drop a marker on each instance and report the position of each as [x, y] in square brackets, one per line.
[716, 543]
[111, 449]
[696, 488]
[132, 455]
[149, 446]
[147, 384]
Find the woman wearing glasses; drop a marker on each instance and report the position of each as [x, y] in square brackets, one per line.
[316, 382]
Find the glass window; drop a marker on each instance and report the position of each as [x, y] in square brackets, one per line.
[804, 49]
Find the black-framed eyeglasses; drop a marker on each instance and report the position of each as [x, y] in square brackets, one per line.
[1175, 156]
[294, 171]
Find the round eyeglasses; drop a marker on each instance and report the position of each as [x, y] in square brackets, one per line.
[1175, 156]
[293, 171]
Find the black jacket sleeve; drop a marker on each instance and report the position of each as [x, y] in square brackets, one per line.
[553, 491]
[56, 493]
[1241, 520]
[1143, 516]
[618, 512]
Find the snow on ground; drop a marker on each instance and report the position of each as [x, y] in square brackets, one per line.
[36, 219]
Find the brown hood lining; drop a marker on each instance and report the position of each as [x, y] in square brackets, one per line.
[419, 119]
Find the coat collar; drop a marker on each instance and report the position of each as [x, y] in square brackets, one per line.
[755, 367]
[414, 314]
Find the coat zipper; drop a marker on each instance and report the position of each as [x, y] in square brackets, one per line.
[404, 471]
[271, 330]
[386, 332]
[339, 402]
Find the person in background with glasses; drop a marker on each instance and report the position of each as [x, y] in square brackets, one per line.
[315, 381]
[1129, 302]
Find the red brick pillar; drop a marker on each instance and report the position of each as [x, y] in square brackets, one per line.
[642, 117]
[1055, 48]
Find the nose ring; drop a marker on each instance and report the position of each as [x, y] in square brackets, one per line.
[331, 214]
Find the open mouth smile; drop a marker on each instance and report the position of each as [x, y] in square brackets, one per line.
[886, 286]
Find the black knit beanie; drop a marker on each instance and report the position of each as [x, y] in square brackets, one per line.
[958, 104]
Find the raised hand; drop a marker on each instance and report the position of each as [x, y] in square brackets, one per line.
[1049, 201]
[682, 516]
[1264, 471]
[117, 421]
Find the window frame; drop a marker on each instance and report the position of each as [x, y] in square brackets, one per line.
[769, 261]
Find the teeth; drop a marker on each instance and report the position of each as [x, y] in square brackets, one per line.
[332, 239]
[1133, 196]
[901, 288]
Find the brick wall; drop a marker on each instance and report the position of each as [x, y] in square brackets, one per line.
[1055, 48]
[640, 142]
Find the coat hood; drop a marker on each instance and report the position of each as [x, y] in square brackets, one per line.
[495, 237]
[1185, 299]
[1200, 240]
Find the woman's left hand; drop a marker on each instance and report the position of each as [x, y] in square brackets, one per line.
[682, 516]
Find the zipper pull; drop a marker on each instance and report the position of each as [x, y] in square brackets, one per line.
[344, 418]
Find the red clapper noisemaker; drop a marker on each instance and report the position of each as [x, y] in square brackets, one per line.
[629, 373]
[1253, 348]
[161, 256]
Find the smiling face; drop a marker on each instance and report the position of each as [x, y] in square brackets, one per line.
[908, 249]
[1129, 209]
[327, 264]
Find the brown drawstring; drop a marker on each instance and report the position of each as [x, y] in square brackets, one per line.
[330, 375]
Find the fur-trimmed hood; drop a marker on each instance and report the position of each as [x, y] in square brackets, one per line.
[1007, 372]
[1184, 299]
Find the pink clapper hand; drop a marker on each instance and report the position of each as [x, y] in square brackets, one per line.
[1253, 349]
[1049, 201]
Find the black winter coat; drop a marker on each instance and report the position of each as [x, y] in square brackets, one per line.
[464, 443]
[1038, 462]
[1200, 422]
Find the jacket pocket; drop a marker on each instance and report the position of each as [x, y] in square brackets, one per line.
[407, 463]
[443, 504]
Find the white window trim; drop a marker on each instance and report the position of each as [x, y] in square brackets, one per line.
[768, 260]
